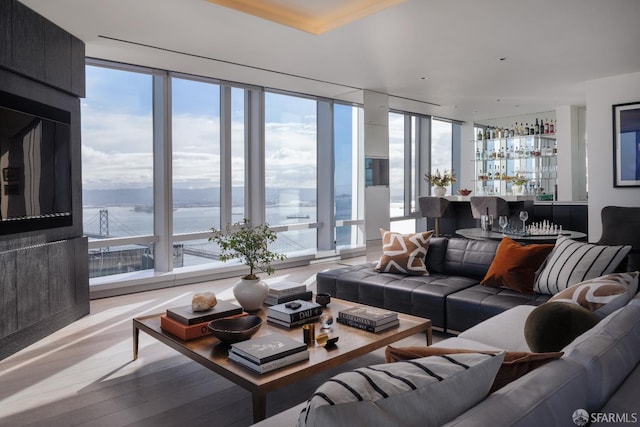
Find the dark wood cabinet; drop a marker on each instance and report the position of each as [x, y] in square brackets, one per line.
[44, 278]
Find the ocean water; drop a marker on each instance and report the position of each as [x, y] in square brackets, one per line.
[126, 221]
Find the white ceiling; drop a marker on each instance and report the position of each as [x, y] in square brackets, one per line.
[552, 47]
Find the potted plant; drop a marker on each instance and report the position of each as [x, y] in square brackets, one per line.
[517, 183]
[251, 246]
[440, 181]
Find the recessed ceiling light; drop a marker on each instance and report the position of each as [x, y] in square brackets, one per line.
[503, 59]
[497, 100]
[423, 78]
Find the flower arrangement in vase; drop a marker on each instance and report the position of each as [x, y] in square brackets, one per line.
[517, 183]
[440, 181]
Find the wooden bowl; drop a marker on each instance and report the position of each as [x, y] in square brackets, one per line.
[464, 192]
[235, 329]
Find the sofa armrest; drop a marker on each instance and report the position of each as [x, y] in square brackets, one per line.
[284, 418]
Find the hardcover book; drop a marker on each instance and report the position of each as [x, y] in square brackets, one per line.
[292, 324]
[272, 300]
[286, 288]
[292, 312]
[368, 315]
[267, 348]
[272, 365]
[187, 332]
[368, 328]
[182, 331]
[187, 316]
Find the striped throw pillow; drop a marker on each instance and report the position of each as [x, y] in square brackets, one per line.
[429, 391]
[602, 295]
[572, 262]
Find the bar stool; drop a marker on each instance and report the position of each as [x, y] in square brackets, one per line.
[433, 207]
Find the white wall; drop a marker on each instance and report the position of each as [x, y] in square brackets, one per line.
[602, 94]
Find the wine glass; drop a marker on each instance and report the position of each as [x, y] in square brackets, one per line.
[503, 221]
[524, 216]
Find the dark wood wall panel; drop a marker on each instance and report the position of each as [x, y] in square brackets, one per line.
[28, 42]
[33, 285]
[5, 31]
[8, 294]
[57, 56]
[77, 67]
[37, 48]
[61, 276]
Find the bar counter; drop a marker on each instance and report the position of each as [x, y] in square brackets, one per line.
[570, 215]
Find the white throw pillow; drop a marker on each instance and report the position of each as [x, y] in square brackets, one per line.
[572, 262]
[422, 392]
[602, 295]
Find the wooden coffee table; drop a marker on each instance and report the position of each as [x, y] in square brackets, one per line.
[353, 342]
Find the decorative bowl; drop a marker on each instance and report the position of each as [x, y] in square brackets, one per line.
[464, 192]
[235, 329]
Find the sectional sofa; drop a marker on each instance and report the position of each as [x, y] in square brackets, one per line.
[597, 375]
[451, 295]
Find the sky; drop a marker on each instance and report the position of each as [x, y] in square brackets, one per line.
[117, 136]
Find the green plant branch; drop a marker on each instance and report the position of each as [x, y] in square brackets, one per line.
[248, 244]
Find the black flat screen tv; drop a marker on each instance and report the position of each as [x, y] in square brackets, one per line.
[35, 166]
[376, 171]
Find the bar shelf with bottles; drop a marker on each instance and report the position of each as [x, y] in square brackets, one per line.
[507, 157]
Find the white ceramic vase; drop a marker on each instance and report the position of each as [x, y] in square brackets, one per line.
[250, 293]
[439, 191]
[516, 189]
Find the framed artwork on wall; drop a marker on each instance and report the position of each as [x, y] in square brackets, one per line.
[626, 145]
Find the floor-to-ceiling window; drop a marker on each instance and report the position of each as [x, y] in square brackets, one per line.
[195, 123]
[396, 164]
[406, 154]
[441, 147]
[168, 156]
[348, 146]
[290, 173]
[117, 169]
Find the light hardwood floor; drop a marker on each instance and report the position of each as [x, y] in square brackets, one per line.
[84, 374]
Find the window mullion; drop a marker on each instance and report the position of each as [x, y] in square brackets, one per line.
[162, 176]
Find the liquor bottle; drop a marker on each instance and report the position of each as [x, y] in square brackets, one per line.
[552, 127]
[546, 127]
[480, 135]
[537, 128]
[526, 129]
[477, 154]
[541, 127]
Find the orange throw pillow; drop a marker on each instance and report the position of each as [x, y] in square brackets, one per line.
[514, 365]
[515, 265]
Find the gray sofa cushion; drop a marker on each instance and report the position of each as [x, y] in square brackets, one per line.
[605, 368]
[546, 396]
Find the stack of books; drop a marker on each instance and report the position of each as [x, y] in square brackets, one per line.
[287, 291]
[294, 313]
[268, 352]
[368, 318]
[187, 324]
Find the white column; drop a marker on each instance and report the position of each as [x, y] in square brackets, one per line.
[572, 169]
[376, 145]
